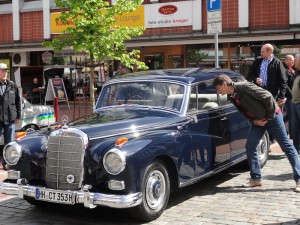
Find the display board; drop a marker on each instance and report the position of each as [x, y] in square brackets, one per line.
[56, 88]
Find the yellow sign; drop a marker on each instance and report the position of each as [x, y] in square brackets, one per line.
[56, 26]
[131, 19]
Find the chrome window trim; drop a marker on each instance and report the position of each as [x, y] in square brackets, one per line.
[126, 80]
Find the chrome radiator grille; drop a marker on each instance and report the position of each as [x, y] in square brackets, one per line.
[64, 161]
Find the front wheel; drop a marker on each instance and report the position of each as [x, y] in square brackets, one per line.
[156, 192]
[263, 149]
[30, 128]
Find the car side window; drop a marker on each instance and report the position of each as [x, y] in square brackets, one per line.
[203, 97]
[222, 100]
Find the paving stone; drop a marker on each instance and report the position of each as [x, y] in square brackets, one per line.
[216, 200]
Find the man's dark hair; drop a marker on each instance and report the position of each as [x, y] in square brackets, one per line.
[220, 79]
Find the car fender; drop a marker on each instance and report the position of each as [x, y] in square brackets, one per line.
[141, 151]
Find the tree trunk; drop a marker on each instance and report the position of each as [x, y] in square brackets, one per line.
[92, 89]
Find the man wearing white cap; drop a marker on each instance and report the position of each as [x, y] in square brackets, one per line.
[10, 107]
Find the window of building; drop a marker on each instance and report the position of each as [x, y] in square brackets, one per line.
[155, 61]
[176, 61]
[5, 1]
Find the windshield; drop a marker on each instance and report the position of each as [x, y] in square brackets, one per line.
[143, 93]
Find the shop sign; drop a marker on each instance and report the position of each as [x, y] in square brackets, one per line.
[167, 15]
[167, 9]
[65, 53]
[149, 15]
[131, 19]
[290, 50]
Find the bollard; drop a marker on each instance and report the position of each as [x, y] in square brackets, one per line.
[56, 109]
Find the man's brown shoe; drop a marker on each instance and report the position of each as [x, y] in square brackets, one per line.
[297, 189]
[254, 183]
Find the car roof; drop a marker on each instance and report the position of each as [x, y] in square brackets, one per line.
[185, 75]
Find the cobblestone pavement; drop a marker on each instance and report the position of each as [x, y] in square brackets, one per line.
[217, 200]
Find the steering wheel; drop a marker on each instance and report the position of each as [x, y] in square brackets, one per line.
[112, 99]
[136, 97]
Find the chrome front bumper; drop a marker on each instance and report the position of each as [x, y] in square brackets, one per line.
[88, 199]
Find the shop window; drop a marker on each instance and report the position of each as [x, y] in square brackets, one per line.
[154, 61]
[5, 1]
[175, 61]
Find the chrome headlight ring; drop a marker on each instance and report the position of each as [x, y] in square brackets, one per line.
[12, 152]
[114, 161]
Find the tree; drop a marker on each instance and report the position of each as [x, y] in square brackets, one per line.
[195, 55]
[96, 32]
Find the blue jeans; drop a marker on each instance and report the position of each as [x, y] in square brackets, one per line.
[295, 125]
[275, 128]
[9, 134]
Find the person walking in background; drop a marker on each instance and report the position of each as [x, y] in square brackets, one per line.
[35, 94]
[10, 107]
[259, 106]
[295, 106]
[290, 74]
[268, 72]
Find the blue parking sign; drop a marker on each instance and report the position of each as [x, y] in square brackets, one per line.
[213, 5]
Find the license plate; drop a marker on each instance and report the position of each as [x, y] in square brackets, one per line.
[54, 196]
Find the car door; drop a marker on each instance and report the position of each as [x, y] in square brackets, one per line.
[210, 131]
[238, 125]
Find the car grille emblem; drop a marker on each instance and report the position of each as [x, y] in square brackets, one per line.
[70, 178]
[64, 120]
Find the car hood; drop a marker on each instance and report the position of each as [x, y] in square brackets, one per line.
[124, 121]
[42, 108]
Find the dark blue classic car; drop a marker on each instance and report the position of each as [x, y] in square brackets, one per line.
[152, 132]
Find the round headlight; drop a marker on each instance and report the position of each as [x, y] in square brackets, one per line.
[12, 153]
[114, 161]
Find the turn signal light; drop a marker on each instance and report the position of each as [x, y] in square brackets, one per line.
[121, 141]
[20, 135]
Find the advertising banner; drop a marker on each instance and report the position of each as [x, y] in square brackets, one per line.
[131, 19]
[171, 14]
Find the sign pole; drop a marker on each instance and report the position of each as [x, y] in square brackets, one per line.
[216, 50]
[214, 24]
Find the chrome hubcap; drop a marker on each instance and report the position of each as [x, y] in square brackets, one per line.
[155, 189]
[262, 148]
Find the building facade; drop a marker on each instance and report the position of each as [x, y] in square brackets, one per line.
[175, 31]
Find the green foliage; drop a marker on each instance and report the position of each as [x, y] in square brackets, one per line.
[95, 32]
[58, 61]
[195, 55]
[277, 50]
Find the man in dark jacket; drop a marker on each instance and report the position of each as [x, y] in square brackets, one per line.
[10, 107]
[290, 74]
[295, 106]
[268, 72]
[259, 106]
